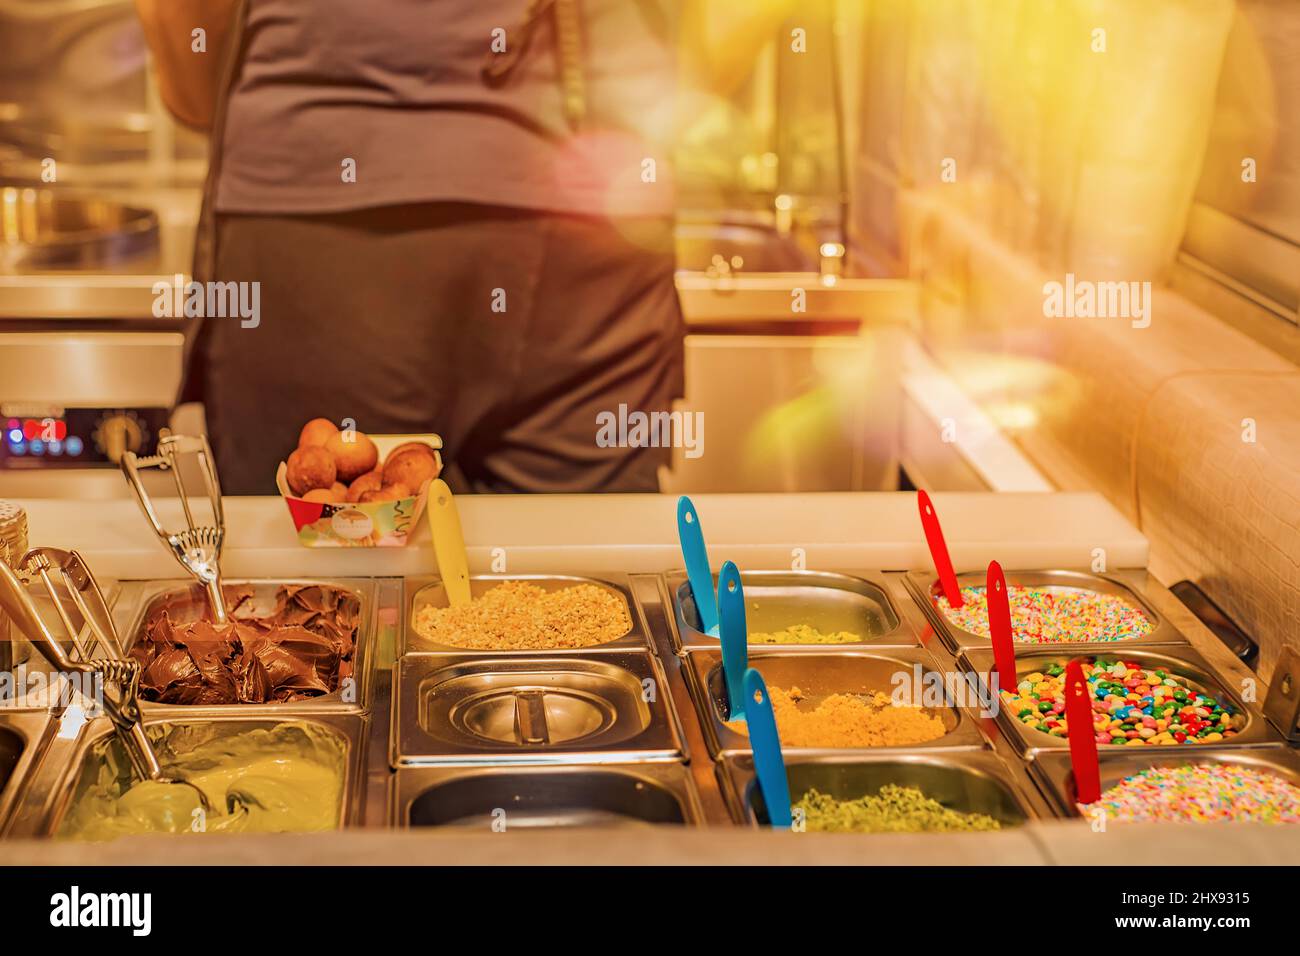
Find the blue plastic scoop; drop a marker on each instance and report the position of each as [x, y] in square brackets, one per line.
[734, 637]
[698, 572]
[768, 763]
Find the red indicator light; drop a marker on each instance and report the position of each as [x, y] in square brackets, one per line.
[45, 429]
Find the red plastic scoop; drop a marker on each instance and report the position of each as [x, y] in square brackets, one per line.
[938, 549]
[1083, 741]
[1004, 648]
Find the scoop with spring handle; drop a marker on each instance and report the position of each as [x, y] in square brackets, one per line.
[89, 631]
[198, 546]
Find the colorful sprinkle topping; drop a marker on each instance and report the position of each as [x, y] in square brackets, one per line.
[1052, 615]
[1211, 793]
[1131, 706]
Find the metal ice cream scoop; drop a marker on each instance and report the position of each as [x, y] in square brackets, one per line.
[198, 546]
[84, 615]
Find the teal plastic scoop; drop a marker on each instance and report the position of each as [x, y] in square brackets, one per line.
[769, 766]
[734, 637]
[698, 571]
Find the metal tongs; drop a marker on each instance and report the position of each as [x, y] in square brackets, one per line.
[90, 630]
[198, 547]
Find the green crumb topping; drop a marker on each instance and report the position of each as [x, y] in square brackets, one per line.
[805, 634]
[893, 810]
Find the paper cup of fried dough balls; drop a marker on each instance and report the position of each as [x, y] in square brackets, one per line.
[345, 488]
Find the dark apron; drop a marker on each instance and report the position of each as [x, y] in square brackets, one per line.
[384, 315]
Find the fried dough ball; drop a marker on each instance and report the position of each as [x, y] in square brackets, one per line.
[423, 446]
[388, 493]
[310, 468]
[370, 481]
[354, 458]
[412, 467]
[317, 432]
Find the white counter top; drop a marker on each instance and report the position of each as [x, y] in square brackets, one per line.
[1057, 843]
[553, 533]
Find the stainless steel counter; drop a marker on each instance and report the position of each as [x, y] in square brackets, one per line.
[677, 776]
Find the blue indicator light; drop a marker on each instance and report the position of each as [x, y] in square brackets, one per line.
[15, 435]
[55, 447]
[37, 446]
[73, 445]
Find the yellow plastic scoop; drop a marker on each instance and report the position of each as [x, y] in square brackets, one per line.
[448, 543]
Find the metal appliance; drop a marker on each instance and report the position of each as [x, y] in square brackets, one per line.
[99, 196]
[87, 370]
[795, 381]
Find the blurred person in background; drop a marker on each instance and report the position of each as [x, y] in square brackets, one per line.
[460, 215]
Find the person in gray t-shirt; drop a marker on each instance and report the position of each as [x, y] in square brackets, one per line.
[459, 213]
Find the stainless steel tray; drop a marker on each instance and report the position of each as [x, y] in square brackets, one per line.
[858, 603]
[1181, 661]
[1055, 775]
[137, 599]
[50, 793]
[23, 736]
[47, 229]
[521, 797]
[968, 781]
[429, 591]
[1126, 584]
[595, 708]
[848, 672]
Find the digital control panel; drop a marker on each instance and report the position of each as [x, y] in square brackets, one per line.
[33, 437]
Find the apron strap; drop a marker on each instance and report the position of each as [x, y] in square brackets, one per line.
[567, 19]
[205, 235]
[204, 246]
